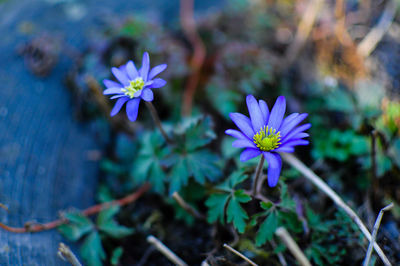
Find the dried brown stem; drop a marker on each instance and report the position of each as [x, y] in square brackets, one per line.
[374, 233]
[186, 206]
[34, 228]
[317, 181]
[65, 253]
[302, 33]
[199, 52]
[166, 251]
[292, 246]
[234, 251]
[370, 41]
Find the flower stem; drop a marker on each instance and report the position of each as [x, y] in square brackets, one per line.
[257, 174]
[157, 121]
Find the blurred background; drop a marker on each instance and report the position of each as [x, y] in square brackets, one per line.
[339, 61]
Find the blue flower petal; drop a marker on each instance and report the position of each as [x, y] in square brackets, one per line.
[287, 127]
[248, 154]
[147, 95]
[112, 91]
[296, 142]
[288, 119]
[131, 70]
[120, 75]
[117, 96]
[158, 83]
[244, 143]
[294, 132]
[264, 110]
[243, 123]
[144, 70]
[277, 113]
[235, 133]
[118, 105]
[111, 84]
[132, 108]
[284, 149]
[157, 70]
[274, 167]
[256, 117]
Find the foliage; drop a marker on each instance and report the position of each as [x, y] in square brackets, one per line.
[201, 164]
[229, 201]
[91, 234]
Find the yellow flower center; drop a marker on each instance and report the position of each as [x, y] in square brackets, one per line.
[134, 86]
[267, 139]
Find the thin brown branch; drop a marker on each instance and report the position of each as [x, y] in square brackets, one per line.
[317, 181]
[166, 251]
[199, 53]
[34, 228]
[292, 246]
[234, 251]
[371, 40]
[186, 206]
[65, 253]
[375, 232]
[303, 31]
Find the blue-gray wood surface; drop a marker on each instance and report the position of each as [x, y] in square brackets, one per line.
[44, 163]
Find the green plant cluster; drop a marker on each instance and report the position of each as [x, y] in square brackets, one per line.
[353, 134]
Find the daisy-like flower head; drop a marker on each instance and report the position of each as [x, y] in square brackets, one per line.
[268, 133]
[134, 85]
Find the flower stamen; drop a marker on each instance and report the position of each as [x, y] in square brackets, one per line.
[267, 139]
[134, 86]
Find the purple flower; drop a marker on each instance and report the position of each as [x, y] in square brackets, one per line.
[134, 85]
[268, 133]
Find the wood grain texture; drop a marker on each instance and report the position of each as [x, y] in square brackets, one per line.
[44, 165]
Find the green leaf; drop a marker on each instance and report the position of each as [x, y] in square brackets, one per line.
[233, 180]
[235, 213]
[266, 205]
[202, 165]
[115, 230]
[179, 175]
[291, 221]
[78, 226]
[148, 166]
[286, 201]
[216, 207]
[199, 133]
[116, 256]
[73, 232]
[267, 229]
[92, 250]
[107, 214]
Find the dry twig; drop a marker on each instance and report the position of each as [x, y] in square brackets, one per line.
[370, 41]
[234, 251]
[186, 206]
[166, 251]
[34, 228]
[199, 53]
[303, 31]
[375, 232]
[316, 180]
[292, 246]
[67, 255]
